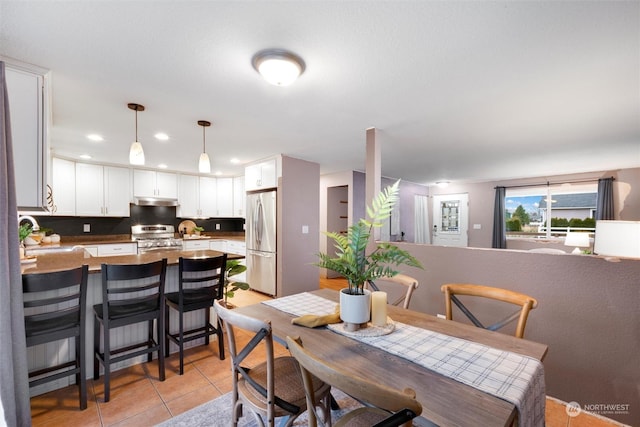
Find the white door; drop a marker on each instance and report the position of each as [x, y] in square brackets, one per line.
[450, 219]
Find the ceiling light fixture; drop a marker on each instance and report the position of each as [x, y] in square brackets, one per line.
[442, 184]
[204, 165]
[136, 153]
[279, 67]
[95, 137]
[162, 136]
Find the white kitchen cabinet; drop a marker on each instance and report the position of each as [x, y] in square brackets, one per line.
[224, 193]
[261, 175]
[208, 194]
[112, 249]
[63, 187]
[148, 183]
[189, 197]
[239, 197]
[236, 247]
[102, 190]
[195, 245]
[218, 245]
[28, 108]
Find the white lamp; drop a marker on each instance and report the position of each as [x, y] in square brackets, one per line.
[278, 67]
[204, 165]
[579, 240]
[136, 153]
[618, 238]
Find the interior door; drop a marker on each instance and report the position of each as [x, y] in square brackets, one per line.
[450, 219]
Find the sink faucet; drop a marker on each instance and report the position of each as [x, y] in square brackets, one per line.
[32, 220]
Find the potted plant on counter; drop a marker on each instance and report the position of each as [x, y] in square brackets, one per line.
[354, 263]
[233, 268]
[24, 231]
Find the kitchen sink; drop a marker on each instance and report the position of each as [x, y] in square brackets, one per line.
[43, 250]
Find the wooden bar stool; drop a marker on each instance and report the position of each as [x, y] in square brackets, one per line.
[130, 294]
[55, 306]
[201, 282]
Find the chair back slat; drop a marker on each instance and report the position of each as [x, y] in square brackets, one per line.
[205, 274]
[407, 284]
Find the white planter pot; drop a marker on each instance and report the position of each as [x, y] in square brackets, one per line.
[355, 309]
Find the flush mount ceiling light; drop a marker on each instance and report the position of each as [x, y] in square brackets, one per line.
[442, 184]
[204, 165]
[136, 153]
[279, 67]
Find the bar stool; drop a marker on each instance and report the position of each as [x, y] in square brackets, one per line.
[131, 293]
[55, 306]
[201, 282]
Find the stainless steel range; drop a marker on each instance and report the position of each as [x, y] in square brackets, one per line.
[155, 237]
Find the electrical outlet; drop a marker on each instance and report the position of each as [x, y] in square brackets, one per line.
[305, 229]
[217, 226]
[441, 316]
[87, 228]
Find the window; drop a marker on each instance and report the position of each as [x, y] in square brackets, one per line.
[551, 210]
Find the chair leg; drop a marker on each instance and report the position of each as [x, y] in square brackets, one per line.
[207, 322]
[181, 339]
[220, 340]
[161, 333]
[81, 377]
[167, 322]
[107, 363]
[150, 340]
[96, 348]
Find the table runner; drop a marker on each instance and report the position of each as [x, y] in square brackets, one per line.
[509, 376]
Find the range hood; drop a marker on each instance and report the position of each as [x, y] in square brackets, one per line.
[155, 201]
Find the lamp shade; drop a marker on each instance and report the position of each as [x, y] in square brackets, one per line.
[136, 154]
[204, 166]
[618, 238]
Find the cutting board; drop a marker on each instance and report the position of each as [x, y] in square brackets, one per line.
[188, 224]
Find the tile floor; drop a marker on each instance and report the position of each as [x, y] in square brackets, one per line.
[139, 399]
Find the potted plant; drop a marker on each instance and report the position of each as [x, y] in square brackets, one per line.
[354, 263]
[233, 268]
[197, 230]
[23, 232]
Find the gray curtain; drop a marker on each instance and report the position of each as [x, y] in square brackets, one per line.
[14, 383]
[499, 226]
[604, 208]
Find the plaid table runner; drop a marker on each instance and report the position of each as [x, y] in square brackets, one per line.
[510, 376]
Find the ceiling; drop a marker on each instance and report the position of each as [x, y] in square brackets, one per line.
[459, 90]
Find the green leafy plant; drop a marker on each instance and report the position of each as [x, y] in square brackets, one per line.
[24, 231]
[233, 268]
[352, 261]
[200, 229]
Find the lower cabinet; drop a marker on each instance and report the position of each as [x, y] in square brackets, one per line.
[113, 249]
[195, 245]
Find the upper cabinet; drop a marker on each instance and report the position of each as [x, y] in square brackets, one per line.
[261, 175]
[63, 187]
[148, 183]
[207, 193]
[28, 109]
[102, 190]
[198, 197]
[224, 194]
[239, 197]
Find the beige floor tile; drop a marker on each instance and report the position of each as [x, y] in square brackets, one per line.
[129, 400]
[191, 400]
[179, 385]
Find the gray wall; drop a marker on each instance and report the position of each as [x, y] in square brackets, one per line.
[588, 314]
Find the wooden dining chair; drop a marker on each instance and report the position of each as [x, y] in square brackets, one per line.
[270, 389]
[407, 282]
[386, 406]
[525, 302]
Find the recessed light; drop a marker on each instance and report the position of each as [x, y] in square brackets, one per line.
[162, 166]
[235, 160]
[218, 173]
[95, 137]
[161, 136]
[442, 184]
[85, 156]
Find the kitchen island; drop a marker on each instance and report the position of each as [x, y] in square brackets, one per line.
[62, 351]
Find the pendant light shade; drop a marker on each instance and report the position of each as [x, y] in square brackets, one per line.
[204, 165]
[136, 153]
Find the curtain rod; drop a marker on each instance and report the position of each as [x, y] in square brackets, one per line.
[552, 183]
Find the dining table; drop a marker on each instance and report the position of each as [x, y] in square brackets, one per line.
[445, 401]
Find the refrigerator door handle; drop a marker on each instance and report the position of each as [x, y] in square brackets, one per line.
[258, 222]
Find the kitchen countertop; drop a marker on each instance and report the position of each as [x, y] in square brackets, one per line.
[67, 260]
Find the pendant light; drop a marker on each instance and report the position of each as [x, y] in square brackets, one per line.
[204, 165]
[136, 153]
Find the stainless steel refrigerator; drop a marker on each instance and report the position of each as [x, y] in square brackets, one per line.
[260, 233]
